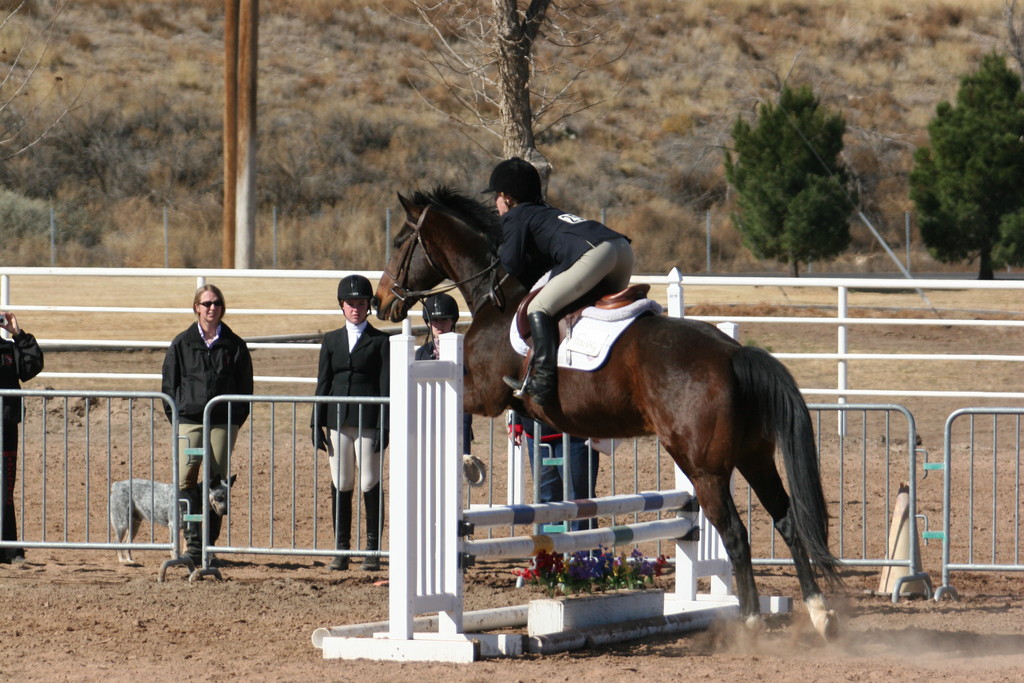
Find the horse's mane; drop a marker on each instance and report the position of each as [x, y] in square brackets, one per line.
[471, 212]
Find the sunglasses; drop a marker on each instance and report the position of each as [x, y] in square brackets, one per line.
[207, 304]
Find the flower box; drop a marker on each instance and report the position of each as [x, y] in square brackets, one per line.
[566, 613]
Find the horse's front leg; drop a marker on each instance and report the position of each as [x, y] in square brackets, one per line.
[715, 498]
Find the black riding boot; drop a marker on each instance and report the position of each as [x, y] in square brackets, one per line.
[193, 530]
[10, 533]
[374, 523]
[341, 517]
[542, 374]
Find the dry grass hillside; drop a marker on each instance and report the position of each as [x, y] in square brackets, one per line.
[345, 123]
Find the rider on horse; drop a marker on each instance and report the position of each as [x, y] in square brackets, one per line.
[582, 256]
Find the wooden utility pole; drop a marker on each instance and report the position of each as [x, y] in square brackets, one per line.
[230, 134]
[241, 36]
[245, 189]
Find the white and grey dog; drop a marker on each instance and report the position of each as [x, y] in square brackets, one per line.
[142, 499]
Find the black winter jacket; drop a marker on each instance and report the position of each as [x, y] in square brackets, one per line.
[21, 359]
[366, 371]
[193, 374]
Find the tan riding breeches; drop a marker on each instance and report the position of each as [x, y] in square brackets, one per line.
[349, 450]
[610, 263]
[190, 468]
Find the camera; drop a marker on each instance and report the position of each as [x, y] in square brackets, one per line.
[3, 320]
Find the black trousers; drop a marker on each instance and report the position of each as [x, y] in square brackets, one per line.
[10, 473]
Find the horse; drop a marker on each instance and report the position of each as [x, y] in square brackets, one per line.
[716, 405]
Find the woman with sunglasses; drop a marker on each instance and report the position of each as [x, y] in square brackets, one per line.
[206, 360]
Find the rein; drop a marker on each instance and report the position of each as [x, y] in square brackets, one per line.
[402, 293]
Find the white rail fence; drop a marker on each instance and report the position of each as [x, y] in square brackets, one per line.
[841, 297]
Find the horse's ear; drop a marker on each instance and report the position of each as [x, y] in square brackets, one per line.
[406, 204]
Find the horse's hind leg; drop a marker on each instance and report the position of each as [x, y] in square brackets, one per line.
[715, 498]
[768, 486]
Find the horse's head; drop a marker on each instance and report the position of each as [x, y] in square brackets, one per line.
[435, 243]
[411, 270]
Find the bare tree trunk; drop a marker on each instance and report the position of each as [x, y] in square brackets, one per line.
[1014, 32]
[515, 36]
[230, 130]
[245, 207]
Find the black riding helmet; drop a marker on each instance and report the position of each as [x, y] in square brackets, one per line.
[516, 178]
[440, 307]
[354, 287]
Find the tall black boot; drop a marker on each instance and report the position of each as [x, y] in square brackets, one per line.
[374, 523]
[193, 531]
[542, 375]
[10, 533]
[341, 518]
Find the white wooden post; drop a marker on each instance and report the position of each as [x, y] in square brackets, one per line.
[425, 482]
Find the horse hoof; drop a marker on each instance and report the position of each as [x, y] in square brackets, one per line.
[824, 620]
[827, 624]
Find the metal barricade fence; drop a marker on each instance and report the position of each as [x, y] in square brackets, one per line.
[982, 469]
[72, 446]
[862, 469]
[280, 503]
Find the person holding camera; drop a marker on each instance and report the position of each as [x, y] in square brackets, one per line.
[21, 359]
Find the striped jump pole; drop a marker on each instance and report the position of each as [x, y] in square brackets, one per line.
[544, 513]
[572, 541]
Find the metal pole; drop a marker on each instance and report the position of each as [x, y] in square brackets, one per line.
[53, 238]
[275, 237]
[387, 235]
[906, 225]
[167, 254]
[707, 231]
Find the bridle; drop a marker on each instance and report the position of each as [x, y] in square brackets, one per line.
[403, 293]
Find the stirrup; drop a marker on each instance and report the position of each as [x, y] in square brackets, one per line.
[518, 386]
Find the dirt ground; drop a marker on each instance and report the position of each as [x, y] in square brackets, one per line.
[83, 617]
[79, 615]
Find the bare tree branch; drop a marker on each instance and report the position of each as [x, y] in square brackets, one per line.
[14, 87]
[516, 72]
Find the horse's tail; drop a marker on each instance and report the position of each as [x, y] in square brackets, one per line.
[768, 387]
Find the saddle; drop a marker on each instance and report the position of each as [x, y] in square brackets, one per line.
[629, 295]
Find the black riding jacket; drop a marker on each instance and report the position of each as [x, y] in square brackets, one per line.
[193, 374]
[537, 238]
[365, 371]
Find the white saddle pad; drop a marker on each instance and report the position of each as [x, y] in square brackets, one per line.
[587, 345]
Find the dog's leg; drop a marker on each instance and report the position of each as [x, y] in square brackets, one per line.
[124, 555]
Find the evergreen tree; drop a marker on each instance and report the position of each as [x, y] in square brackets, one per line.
[792, 202]
[969, 185]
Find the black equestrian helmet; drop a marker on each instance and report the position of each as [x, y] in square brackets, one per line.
[440, 307]
[354, 287]
[516, 178]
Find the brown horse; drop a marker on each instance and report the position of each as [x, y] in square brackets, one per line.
[715, 405]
